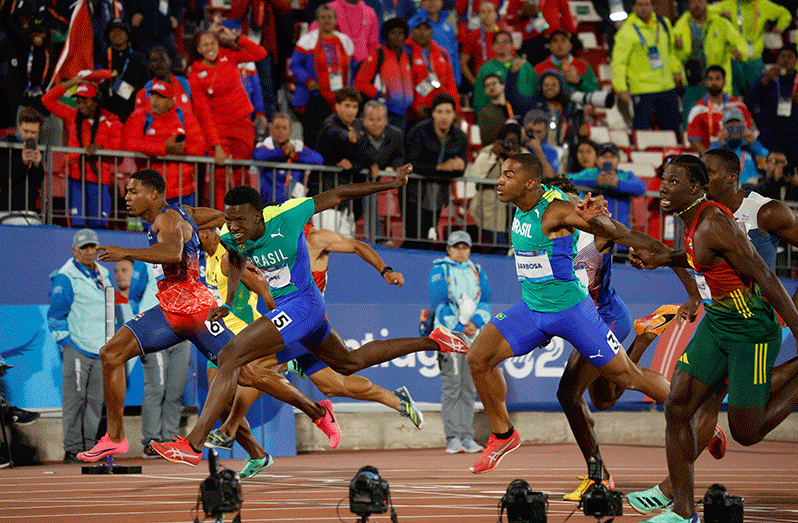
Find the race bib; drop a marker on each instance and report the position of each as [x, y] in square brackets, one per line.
[703, 288]
[531, 266]
[157, 268]
[277, 277]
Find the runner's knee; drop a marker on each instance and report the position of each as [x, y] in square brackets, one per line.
[746, 435]
[113, 354]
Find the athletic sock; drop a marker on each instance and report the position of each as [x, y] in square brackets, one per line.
[505, 435]
[193, 448]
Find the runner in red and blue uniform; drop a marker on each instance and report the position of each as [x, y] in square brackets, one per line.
[183, 302]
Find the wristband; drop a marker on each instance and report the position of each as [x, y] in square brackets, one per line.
[226, 306]
[387, 268]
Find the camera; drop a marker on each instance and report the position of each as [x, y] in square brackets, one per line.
[221, 491]
[599, 501]
[720, 507]
[508, 145]
[522, 504]
[30, 143]
[603, 99]
[368, 492]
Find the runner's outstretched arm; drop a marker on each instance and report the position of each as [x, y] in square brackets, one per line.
[168, 226]
[204, 217]
[333, 197]
[330, 241]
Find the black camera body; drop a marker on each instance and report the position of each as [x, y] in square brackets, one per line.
[31, 143]
[523, 505]
[368, 492]
[720, 507]
[221, 491]
[599, 501]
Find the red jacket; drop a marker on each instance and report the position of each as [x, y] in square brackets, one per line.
[441, 66]
[556, 12]
[220, 85]
[197, 106]
[109, 136]
[147, 133]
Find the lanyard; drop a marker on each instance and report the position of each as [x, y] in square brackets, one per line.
[331, 54]
[559, 63]
[742, 160]
[510, 114]
[95, 275]
[794, 86]
[711, 107]
[482, 42]
[425, 56]
[700, 34]
[30, 67]
[740, 16]
[124, 67]
[642, 38]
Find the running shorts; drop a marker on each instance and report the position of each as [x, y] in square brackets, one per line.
[580, 324]
[745, 355]
[156, 330]
[616, 315]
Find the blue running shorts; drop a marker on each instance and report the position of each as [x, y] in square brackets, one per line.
[616, 315]
[300, 318]
[581, 325]
[156, 330]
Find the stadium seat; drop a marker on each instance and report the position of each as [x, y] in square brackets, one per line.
[657, 140]
[589, 40]
[646, 158]
[644, 171]
[600, 134]
[604, 73]
[772, 41]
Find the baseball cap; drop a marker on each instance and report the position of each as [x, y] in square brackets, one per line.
[84, 237]
[733, 113]
[607, 147]
[164, 89]
[86, 90]
[459, 237]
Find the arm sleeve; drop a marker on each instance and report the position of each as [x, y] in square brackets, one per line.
[51, 103]
[264, 154]
[363, 79]
[781, 14]
[195, 141]
[249, 52]
[620, 59]
[438, 289]
[585, 177]
[310, 156]
[301, 66]
[735, 39]
[61, 296]
[202, 109]
[631, 185]
[135, 139]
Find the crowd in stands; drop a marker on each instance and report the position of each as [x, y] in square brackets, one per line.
[377, 83]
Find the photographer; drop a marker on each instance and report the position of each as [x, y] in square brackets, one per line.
[618, 187]
[534, 138]
[24, 172]
[489, 213]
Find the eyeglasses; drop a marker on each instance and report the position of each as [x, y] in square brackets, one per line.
[500, 42]
[777, 161]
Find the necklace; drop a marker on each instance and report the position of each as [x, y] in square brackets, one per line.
[704, 197]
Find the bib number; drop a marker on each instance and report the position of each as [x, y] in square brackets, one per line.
[214, 327]
[282, 320]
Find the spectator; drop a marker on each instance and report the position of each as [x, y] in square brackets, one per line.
[163, 129]
[477, 48]
[646, 70]
[535, 21]
[704, 39]
[536, 126]
[772, 101]
[489, 213]
[23, 172]
[90, 127]
[388, 9]
[740, 138]
[77, 321]
[322, 64]
[578, 74]
[493, 116]
[342, 143]
[460, 296]
[438, 150]
[432, 72]
[468, 16]
[704, 121]
[386, 74]
[505, 52]
[443, 33]
[359, 22]
[618, 187]
[384, 143]
[214, 76]
[586, 157]
[153, 22]
[277, 185]
[774, 182]
[752, 20]
[129, 72]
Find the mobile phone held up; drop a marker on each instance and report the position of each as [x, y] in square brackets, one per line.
[180, 138]
[30, 143]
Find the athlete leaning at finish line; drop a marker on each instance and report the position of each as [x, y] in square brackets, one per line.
[766, 222]
[545, 232]
[272, 239]
[183, 303]
[593, 265]
[331, 383]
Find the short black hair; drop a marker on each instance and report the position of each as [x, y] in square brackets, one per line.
[530, 164]
[493, 75]
[244, 194]
[443, 98]
[151, 178]
[695, 168]
[501, 32]
[562, 183]
[729, 159]
[348, 93]
[716, 68]
[508, 128]
[29, 115]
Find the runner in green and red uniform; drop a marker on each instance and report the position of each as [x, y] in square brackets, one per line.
[739, 337]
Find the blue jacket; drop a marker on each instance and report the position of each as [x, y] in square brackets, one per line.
[448, 281]
[267, 151]
[77, 307]
[748, 153]
[618, 198]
